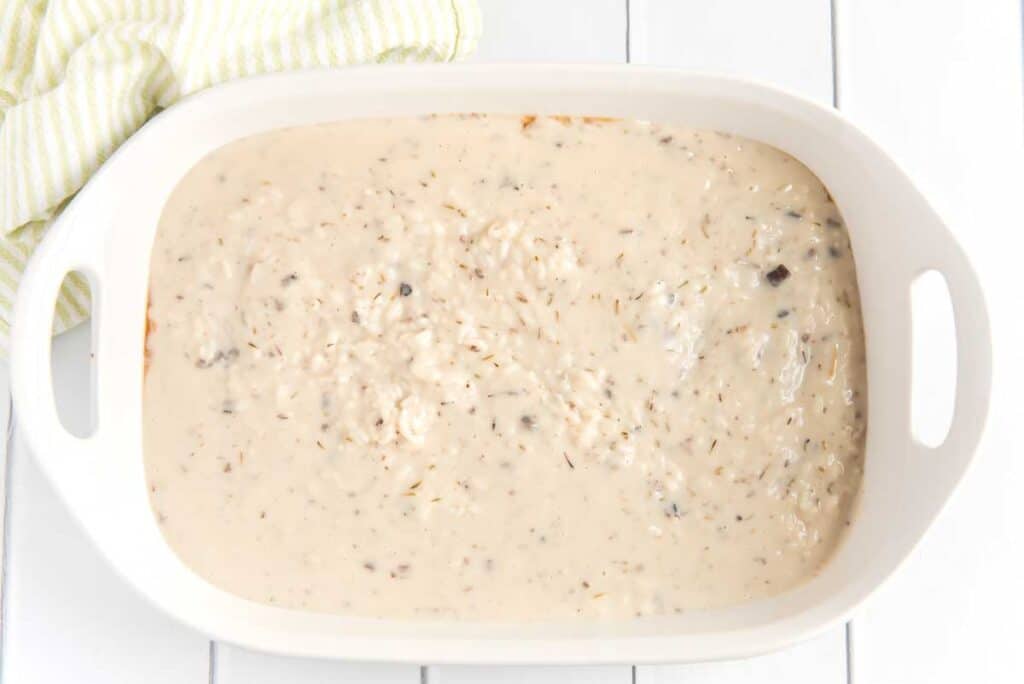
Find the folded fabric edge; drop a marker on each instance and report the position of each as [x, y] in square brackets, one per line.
[468, 27]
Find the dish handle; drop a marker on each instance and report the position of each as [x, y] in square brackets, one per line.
[65, 249]
[943, 466]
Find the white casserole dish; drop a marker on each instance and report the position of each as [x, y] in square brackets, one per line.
[108, 230]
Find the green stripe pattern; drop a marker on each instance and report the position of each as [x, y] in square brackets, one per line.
[77, 77]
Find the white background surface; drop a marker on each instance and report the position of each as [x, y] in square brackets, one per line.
[939, 84]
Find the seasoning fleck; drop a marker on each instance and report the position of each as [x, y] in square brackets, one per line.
[777, 275]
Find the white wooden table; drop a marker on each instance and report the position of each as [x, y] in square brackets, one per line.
[939, 84]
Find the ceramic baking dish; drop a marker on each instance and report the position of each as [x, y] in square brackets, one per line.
[107, 233]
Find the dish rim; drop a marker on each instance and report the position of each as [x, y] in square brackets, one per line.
[68, 247]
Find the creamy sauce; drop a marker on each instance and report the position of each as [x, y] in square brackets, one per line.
[491, 367]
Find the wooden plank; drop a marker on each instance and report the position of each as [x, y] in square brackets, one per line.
[232, 664]
[68, 617]
[546, 31]
[785, 43]
[818, 661]
[529, 675]
[947, 104]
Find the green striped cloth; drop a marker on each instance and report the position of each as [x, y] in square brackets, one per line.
[77, 77]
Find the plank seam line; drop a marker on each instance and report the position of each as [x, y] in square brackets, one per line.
[835, 52]
[6, 541]
[1020, 24]
[849, 652]
[628, 56]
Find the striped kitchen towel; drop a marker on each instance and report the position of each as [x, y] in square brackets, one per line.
[77, 77]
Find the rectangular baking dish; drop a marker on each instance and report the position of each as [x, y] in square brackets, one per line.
[107, 233]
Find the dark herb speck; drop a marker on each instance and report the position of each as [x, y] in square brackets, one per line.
[405, 289]
[674, 511]
[777, 275]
